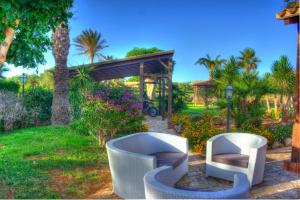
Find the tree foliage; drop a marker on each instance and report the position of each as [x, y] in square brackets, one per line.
[36, 19]
[142, 51]
[211, 64]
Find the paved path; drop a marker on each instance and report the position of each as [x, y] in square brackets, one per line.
[156, 124]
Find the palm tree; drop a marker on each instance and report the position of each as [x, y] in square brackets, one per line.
[107, 58]
[211, 64]
[248, 60]
[231, 69]
[90, 43]
[60, 50]
[3, 69]
[284, 80]
[83, 79]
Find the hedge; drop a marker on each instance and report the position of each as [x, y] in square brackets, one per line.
[9, 86]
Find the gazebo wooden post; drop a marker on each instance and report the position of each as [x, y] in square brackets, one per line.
[163, 87]
[159, 95]
[290, 15]
[141, 81]
[170, 89]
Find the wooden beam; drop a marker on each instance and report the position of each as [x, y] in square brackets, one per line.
[157, 75]
[141, 82]
[296, 126]
[170, 90]
[159, 96]
[163, 64]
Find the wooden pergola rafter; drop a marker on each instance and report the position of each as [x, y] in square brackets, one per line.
[157, 65]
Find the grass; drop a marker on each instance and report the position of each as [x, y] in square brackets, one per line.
[50, 162]
[200, 109]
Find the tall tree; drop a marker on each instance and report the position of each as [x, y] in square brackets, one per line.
[24, 29]
[90, 43]
[60, 50]
[211, 64]
[248, 59]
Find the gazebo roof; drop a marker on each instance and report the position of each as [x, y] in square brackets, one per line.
[153, 64]
[203, 83]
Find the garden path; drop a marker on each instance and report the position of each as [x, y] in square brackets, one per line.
[156, 124]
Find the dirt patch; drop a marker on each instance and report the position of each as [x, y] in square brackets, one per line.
[35, 156]
[105, 189]
[59, 181]
[61, 151]
[84, 182]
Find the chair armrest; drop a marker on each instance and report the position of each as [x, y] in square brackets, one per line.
[257, 159]
[209, 150]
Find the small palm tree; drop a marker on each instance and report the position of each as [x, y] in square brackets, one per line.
[284, 80]
[107, 58]
[248, 60]
[90, 43]
[211, 64]
[83, 79]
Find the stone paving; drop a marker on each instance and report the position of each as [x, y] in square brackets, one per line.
[277, 182]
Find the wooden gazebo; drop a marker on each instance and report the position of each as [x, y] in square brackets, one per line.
[200, 88]
[290, 15]
[158, 65]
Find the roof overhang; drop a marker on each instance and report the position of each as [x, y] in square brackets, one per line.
[154, 63]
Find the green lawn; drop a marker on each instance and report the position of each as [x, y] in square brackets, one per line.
[50, 162]
[200, 109]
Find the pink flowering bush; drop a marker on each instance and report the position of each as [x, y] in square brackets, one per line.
[104, 116]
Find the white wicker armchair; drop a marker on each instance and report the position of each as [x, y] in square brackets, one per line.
[231, 153]
[131, 157]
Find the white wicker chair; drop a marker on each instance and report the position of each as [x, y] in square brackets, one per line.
[231, 153]
[131, 157]
[160, 185]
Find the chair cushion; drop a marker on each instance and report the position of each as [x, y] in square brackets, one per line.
[172, 159]
[234, 159]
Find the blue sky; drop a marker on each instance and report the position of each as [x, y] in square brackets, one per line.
[192, 28]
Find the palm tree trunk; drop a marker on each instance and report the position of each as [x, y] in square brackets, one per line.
[284, 117]
[268, 104]
[60, 103]
[276, 107]
[4, 47]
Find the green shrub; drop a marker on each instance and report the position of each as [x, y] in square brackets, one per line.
[281, 132]
[38, 102]
[10, 86]
[198, 133]
[178, 99]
